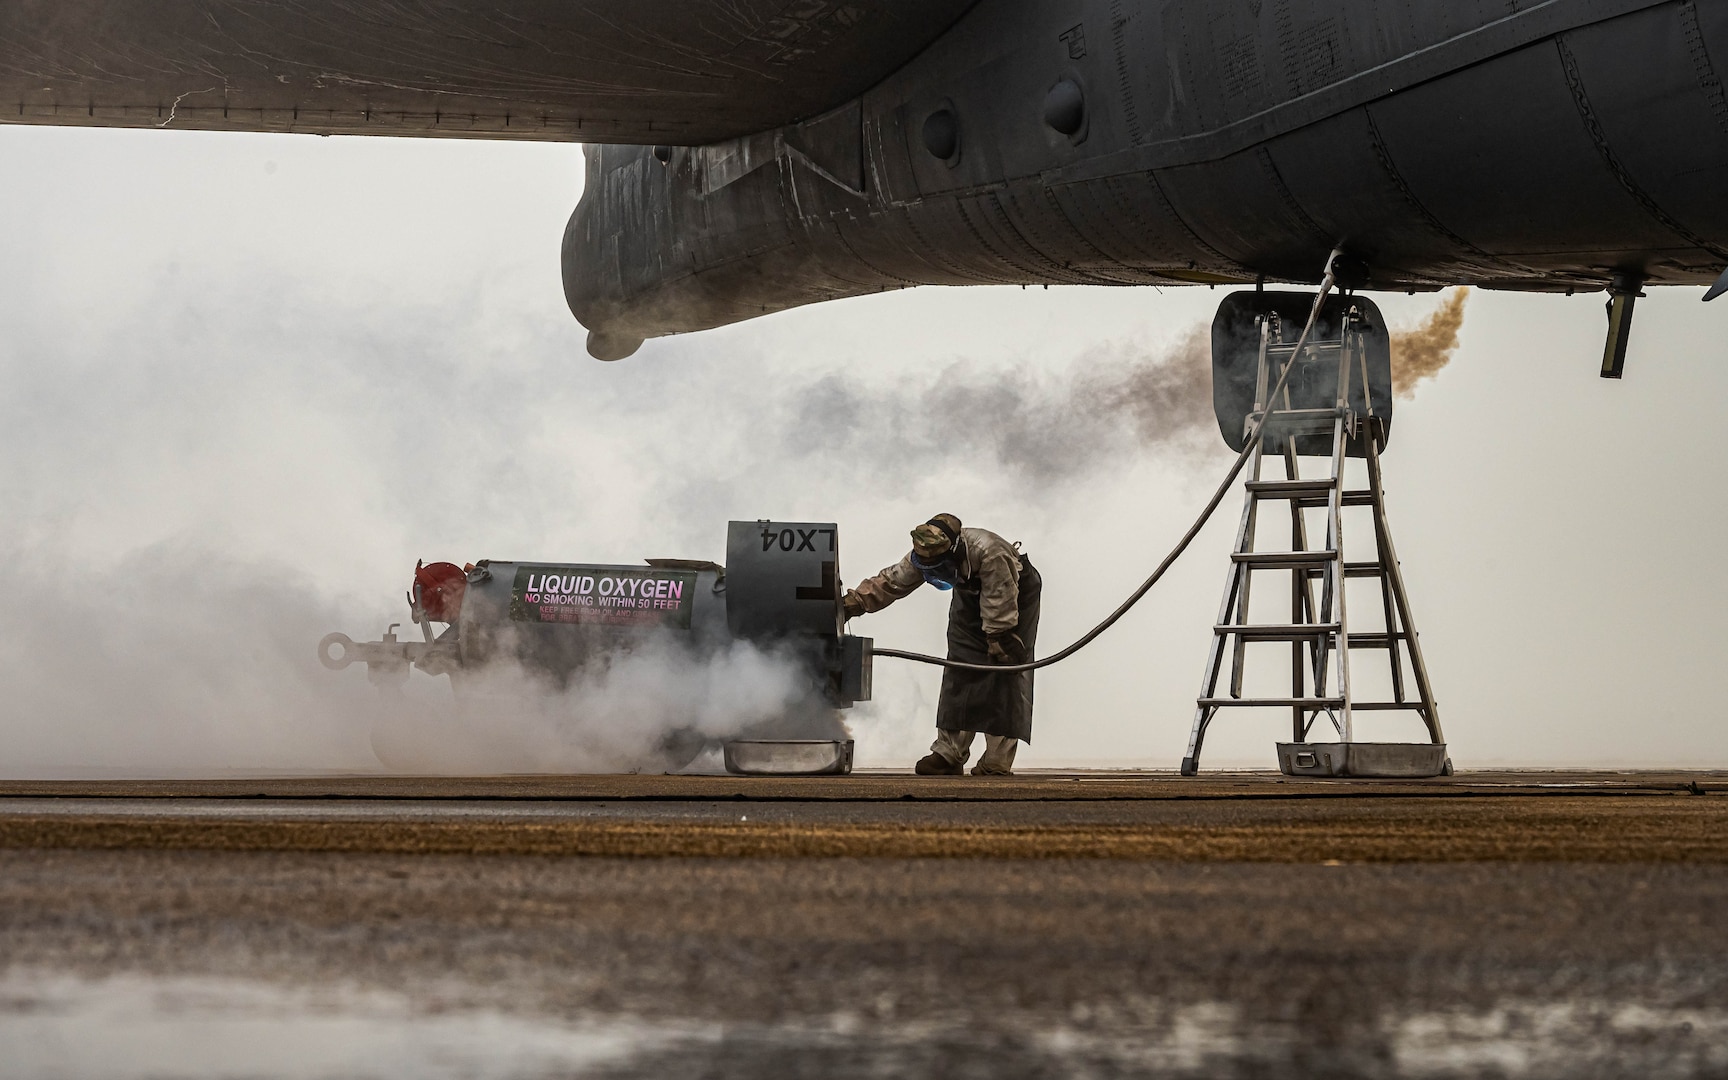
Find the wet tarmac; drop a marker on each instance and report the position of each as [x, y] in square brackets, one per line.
[1546, 924]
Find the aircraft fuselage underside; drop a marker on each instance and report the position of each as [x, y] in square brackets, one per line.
[1530, 146]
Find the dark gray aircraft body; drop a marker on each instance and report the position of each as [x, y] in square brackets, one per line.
[762, 154]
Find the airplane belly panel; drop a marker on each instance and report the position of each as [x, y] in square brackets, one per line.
[1341, 174]
[652, 71]
[1129, 222]
[1245, 209]
[1546, 147]
[1034, 213]
[1660, 126]
[1499, 155]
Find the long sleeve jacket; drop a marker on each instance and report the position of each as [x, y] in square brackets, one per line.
[989, 564]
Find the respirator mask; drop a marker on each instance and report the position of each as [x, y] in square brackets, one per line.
[943, 571]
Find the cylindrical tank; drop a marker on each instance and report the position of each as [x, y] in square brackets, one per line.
[555, 618]
[512, 625]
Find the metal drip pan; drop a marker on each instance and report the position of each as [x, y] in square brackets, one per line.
[1388, 761]
[789, 757]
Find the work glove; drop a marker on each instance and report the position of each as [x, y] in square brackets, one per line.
[1007, 648]
[852, 604]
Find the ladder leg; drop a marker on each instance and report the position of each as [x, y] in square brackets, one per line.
[1319, 651]
[1328, 581]
[1335, 537]
[1245, 544]
[1191, 760]
[1394, 574]
[1209, 680]
[1297, 579]
[1234, 585]
[1240, 653]
[1394, 626]
[1298, 606]
[1303, 607]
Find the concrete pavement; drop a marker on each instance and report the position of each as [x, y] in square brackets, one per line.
[1503, 924]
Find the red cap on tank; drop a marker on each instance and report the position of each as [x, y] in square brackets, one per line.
[441, 586]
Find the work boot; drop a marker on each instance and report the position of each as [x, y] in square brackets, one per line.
[991, 768]
[934, 764]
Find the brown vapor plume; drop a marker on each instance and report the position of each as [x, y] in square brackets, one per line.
[1420, 352]
[1046, 426]
[1051, 425]
[1169, 399]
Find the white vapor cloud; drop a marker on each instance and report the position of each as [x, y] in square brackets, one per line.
[240, 402]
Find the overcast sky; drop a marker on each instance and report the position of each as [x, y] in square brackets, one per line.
[249, 379]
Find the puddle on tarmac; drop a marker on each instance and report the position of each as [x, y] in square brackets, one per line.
[135, 1026]
[132, 1027]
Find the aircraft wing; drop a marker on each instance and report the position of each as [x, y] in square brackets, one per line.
[620, 71]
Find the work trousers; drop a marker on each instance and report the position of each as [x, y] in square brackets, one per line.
[956, 747]
[993, 702]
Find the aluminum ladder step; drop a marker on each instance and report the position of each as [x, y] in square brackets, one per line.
[1285, 560]
[1288, 416]
[1306, 492]
[1306, 703]
[1354, 569]
[1279, 631]
[1351, 498]
[1272, 702]
[1303, 420]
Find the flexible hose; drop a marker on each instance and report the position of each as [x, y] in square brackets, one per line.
[1326, 284]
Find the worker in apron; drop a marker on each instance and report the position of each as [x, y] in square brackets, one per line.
[992, 619]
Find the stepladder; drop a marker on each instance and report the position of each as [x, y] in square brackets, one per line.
[1323, 409]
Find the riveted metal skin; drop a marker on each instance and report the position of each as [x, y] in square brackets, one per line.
[658, 72]
[756, 155]
[1547, 149]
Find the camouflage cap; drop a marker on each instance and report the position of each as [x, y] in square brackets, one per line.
[928, 541]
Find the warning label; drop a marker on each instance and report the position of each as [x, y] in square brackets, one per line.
[595, 596]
